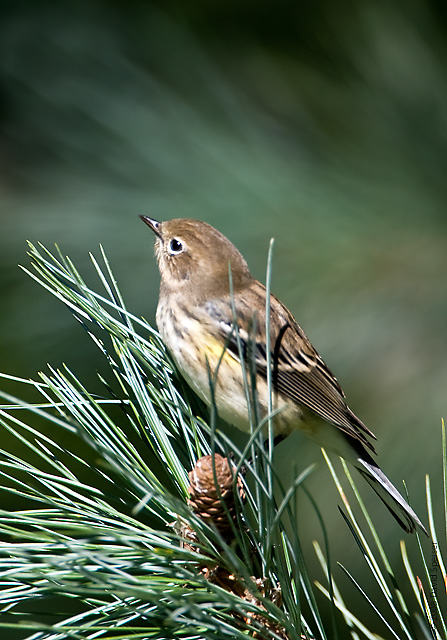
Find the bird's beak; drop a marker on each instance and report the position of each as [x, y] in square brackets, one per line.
[153, 224]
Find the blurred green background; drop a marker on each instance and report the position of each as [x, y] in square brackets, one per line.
[321, 124]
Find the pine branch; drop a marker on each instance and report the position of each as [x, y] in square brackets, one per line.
[143, 517]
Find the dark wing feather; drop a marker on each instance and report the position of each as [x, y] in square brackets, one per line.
[299, 373]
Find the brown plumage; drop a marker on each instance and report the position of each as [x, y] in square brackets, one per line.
[197, 305]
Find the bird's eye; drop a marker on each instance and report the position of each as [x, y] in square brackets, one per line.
[175, 246]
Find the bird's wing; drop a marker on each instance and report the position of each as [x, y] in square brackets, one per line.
[298, 371]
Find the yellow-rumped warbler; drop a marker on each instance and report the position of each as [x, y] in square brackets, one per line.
[195, 318]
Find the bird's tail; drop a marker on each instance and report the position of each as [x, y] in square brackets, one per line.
[390, 496]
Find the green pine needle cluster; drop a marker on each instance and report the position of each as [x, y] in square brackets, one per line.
[99, 549]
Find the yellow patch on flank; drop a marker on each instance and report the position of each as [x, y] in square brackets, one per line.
[218, 355]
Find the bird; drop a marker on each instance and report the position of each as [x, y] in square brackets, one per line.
[211, 316]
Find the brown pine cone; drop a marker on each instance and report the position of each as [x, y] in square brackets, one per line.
[211, 487]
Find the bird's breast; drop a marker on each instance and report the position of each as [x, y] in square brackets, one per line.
[216, 374]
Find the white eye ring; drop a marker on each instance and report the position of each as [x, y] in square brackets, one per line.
[175, 246]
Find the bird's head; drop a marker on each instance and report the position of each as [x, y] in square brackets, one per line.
[194, 258]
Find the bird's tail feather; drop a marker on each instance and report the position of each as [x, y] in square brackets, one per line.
[390, 496]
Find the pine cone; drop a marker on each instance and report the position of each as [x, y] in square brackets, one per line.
[211, 491]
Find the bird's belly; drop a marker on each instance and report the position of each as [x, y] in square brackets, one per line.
[217, 377]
